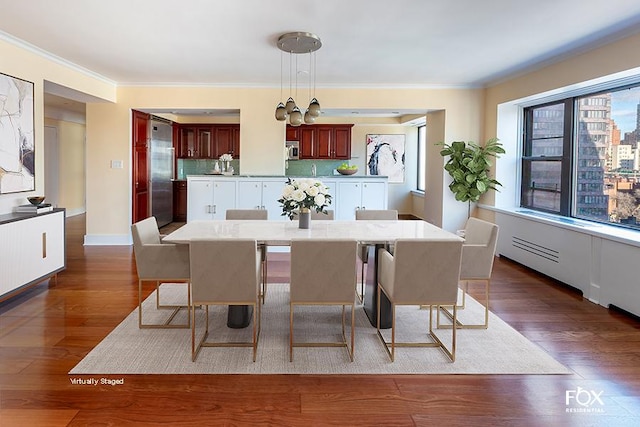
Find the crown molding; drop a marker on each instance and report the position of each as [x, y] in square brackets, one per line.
[53, 58]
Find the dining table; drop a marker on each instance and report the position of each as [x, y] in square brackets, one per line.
[374, 233]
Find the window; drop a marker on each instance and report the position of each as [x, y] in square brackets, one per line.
[422, 157]
[581, 157]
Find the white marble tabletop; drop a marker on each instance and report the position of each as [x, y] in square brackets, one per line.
[280, 233]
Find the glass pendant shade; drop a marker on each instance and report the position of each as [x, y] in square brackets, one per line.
[308, 118]
[291, 104]
[314, 108]
[295, 118]
[281, 112]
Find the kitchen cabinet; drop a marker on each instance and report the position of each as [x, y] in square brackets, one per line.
[355, 195]
[210, 199]
[179, 201]
[262, 195]
[292, 133]
[325, 141]
[208, 141]
[140, 166]
[33, 249]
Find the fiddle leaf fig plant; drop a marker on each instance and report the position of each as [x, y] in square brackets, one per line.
[469, 165]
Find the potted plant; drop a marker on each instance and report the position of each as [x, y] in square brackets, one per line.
[469, 165]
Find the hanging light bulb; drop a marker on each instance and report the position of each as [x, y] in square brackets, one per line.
[295, 118]
[308, 118]
[281, 111]
[314, 105]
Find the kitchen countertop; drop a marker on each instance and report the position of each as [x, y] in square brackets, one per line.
[354, 176]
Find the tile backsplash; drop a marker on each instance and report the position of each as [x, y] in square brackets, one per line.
[201, 167]
[303, 167]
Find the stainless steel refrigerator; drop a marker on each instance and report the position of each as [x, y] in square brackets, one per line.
[161, 165]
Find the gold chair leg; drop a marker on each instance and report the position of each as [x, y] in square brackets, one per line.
[459, 324]
[176, 308]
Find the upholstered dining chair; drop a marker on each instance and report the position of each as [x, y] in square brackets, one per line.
[224, 272]
[320, 215]
[478, 254]
[323, 272]
[161, 263]
[421, 272]
[329, 215]
[249, 214]
[246, 214]
[363, 250]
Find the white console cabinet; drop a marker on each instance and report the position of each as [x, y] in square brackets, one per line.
[33, 249]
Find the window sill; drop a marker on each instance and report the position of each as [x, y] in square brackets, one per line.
[622, 235]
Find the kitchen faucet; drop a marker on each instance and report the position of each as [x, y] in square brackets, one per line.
[313, 169]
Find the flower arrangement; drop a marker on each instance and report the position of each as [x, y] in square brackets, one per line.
[304, 194]
[226, 157]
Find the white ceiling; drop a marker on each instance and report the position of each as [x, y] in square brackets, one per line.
[366, 43]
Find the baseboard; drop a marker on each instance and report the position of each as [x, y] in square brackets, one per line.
[107, 240]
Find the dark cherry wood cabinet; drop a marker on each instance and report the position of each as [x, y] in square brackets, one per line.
[292, 133]
[208, 141]
[324, 141]
[140, 169]
[179, 201]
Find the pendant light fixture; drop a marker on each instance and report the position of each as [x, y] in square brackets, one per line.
[298, 43]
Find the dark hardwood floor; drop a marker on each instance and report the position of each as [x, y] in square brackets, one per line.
[45, 331]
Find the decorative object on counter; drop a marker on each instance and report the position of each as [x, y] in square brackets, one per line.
[385, 156]
[299, 196]
[469, 165]
[216, 168]
[298, 43]
[226, 168]
[346, 169]
[36, 200]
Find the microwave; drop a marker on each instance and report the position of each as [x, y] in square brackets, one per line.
[293, 150]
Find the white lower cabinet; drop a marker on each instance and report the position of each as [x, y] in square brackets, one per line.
[33, 249]
[356, 195]
[261, 195]
[209, 199]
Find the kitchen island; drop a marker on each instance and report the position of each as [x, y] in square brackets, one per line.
[210, 196]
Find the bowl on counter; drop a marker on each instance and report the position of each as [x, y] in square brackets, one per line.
[347, 171]
[36, 200]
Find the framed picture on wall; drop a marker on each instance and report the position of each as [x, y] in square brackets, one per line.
[385, 156]
[17, 142]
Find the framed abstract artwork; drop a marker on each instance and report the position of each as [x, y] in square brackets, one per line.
[17, 142]
[385, 156]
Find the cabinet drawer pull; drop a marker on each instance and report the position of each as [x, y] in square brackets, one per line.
[44, 245]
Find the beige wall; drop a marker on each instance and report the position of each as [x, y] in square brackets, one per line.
[502, 106]
[261, 136]
[71, 165]
[27, 65]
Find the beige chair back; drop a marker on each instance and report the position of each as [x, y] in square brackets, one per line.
[478, 250]
[323, 271]
[422, 271]
[246, 214]
[320, 215]
[377, 214]
[224, 271]
[156, 260]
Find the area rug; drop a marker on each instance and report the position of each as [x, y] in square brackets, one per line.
[128, 350]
